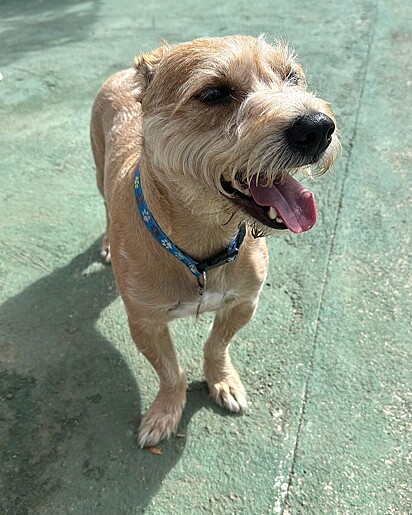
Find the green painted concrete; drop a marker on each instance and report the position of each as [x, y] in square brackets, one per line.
[327, 361]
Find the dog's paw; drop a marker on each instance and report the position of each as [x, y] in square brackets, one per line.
[159, 423]
[105, 253]
[229, 393]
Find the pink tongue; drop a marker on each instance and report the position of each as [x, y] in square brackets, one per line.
[294, 203]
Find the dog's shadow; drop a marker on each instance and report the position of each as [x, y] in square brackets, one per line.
[70, 403]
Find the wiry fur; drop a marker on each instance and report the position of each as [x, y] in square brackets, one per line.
[186, 148]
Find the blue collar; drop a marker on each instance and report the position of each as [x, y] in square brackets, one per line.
[197, 268]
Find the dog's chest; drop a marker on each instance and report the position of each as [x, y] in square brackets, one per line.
[211, 301]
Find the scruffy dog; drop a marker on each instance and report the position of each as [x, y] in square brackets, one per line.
[195, 149]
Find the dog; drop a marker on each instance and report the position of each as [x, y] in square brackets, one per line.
[196, 147]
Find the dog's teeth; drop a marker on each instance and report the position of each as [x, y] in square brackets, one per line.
[279, 220]
[272, 213]
[247, 192]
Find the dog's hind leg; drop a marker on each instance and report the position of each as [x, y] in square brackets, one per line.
[105, 248]
[161, 420]
[224, 383]
[99, 154]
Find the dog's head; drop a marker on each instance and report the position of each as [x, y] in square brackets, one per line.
[229, 122]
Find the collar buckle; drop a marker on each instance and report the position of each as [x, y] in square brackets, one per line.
[221, 259]
[227, 255]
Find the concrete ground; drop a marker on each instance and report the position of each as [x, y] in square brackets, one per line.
[326, 362]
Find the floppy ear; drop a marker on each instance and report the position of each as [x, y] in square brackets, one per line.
[145, 66]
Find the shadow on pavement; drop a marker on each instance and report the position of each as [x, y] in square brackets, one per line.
[70, 404]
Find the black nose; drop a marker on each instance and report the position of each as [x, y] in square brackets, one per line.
[311, 133]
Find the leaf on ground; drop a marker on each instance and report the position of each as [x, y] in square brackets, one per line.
[155, 450]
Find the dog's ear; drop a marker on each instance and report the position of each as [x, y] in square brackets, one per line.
[145, 67]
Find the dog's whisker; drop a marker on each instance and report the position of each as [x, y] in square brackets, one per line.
[230, 219]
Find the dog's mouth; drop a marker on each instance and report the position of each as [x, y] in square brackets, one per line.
[284, 205]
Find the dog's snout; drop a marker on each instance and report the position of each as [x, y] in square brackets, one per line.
[311, 133]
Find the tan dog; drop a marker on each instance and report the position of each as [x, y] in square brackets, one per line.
[219, 127]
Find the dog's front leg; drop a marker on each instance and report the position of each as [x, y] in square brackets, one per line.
[224, 383]
[160, 422]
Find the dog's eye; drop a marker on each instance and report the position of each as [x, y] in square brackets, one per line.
[216, 95]
[292, 78]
